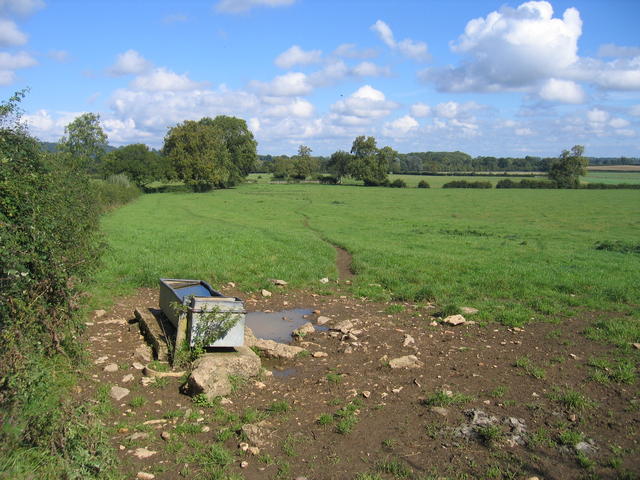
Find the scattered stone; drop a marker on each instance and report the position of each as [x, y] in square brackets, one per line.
[321, 320]
[587, 448]
[271, 348]
[100, 360]
[324, 280]
[469, 310]
[316, 312]
[114, 321]
[305, 329]
[143, 453]
[348, 350]
[533, 478]
[455, 320]
[366, 393]
[244, 446]
[244, 464]
[155, 422]
[225, 401]
[145, 476]
[344, 326]
[146, 381]
[98, 314]
[118, 393]
[254, 451]
[138, 365]
[636, 346]
[260, 385]
[143, 352]
[573, 418]
[257, 433]
[265, 293]
[319, 354]
[279, 283]
[433, 323]
[138, 436]
[440, 411]
[127, 378]
[231, 284]
[408, 340]
[165, 435]
[408, 361]
[206, 429]
[112, 367]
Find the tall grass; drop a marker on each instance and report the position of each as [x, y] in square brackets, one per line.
[516, 255]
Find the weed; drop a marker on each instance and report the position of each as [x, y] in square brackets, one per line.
[442, 398]
[394, 467]
[395, 308]
[303, 354]
[266, 459]
[251, 415]
[201, 400]
[279, 406]
[499, 391]
[188, 429]
[289, 445]
[325, 419]
[225, 434]
[535, 372]
[389, 442]
[367, 476]
[490, 435]
[137, 402]
[584, 461]
[159, 366]
[334, 377]
[571, 399]
[345, 425]
[623, 371]
[237, 382]
[540, 437]
[284, 469]
[160, 382]
[570, 437]
[172, 414]
[449, 310]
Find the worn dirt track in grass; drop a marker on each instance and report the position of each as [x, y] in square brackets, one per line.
[392, 425]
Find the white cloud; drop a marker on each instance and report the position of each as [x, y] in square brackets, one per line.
[129, 63]
[407, 47]
[60, 56]
[612, 50]
[619, 122]
[400, 127]
[564, 91]
[420, 110]
[454, 109]
[523, 132]
[596, 116]
[364, 103]
[10, 61]
[7, 77]
[10, 34]
[350, 50]
[635, 110]
[621, 74]
[297, 56]
[296, 107]
[369, 69]
[162, 79]
[241, 6]
[20, 7]
[288, 85]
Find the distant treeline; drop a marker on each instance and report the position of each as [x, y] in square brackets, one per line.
[417, 163]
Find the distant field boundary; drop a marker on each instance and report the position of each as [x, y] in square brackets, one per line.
[614, 168]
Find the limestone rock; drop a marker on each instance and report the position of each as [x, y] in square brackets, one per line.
[319, 354]
[143, 352]
[455, 320]
[344, 326]
[324, 280]
[257, 433]
[270, 348]
[137, 365]
[440, 411]
[118, 393]
[265, 293]
[145, 476]
[408, 340]
[138, 436]
[210, 384]
[408, 361]
[305, 329]
[99, 313]
[279, 283]
[143, 453]
[321, 320]
[112, 367]
[127, 378]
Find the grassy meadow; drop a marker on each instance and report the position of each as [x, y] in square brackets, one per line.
[517, 255]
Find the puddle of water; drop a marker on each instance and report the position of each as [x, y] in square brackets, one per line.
[278, 325]
[285, 373]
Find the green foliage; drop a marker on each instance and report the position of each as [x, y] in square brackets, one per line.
[394, 467]
[571, 399]
[211, 153]
[466, 184]
[526, 364]
[369, 163]
[398, 183]
[489, 434]
[423, 184]
[566, 170]
[570, 437]
[279, 406]
[339, 164]
[84, 141]
[115, 191]
[442, 398]
[48, 224]
[325, 419]
[303, 164]
[138, 163]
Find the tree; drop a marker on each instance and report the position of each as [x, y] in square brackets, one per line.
[339, 164]
[211, 153]
[370, 164]
[566, 170]
[303, 163]
[84, 141]
[282, 167]
[137, 162]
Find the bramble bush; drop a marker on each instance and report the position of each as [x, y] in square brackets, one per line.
[465, 184]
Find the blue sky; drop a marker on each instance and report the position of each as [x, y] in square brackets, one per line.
[485, 77]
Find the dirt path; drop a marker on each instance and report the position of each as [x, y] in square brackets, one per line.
[507, 410]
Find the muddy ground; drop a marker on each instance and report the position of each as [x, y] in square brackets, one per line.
[516, 402]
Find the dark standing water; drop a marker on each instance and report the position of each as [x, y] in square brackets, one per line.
[197, 290]
[278, 325]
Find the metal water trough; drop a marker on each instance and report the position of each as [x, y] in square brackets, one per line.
[200, 298]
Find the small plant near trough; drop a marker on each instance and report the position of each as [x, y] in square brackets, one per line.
[442, 398]
[526, 364]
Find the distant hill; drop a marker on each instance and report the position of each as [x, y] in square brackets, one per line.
[53, 147]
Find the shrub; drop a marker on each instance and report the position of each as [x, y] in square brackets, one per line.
[328, 180]
[423, 184]
[398, 183]
[525, 183]
[466, 184]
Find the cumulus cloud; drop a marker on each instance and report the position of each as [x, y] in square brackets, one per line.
[619, 122]
[454, 109]
[350, 50]
[364, 104]
[369, 69]
[20, 7]
[400, 127]
[129, 63]
[10, 34]
[612, 50]
[297, 56]
[290, 84]
[60, 56]
[407, 47]
[596, 116]
[241, 6]
[296, 107]
[563, 91]
[162, 79]
[524, 132]
[10, 62]
[420, 110]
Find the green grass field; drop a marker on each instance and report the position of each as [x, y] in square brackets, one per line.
[516, 255]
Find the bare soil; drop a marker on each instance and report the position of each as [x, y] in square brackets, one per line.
[394, 427]
[615, 168]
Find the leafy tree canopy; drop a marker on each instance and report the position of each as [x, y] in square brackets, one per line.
[141, 165]
[567, 169]
[84, 141]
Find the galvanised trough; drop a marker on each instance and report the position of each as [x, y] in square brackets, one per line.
[199, 299]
